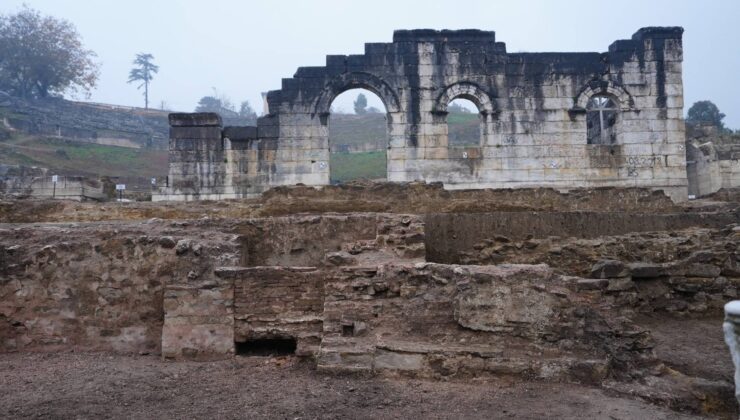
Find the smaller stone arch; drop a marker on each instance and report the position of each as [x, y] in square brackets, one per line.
[465, 90]
[624, 99]
[356, 80]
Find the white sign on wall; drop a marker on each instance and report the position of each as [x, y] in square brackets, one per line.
[120, 187]
[55, 178]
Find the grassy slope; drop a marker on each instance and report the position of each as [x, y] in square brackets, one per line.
[357, 129]
[77, 158]
[351, 166]
[464, 129]
[372, 128]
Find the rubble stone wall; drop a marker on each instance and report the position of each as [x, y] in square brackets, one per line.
[532, 108]
[98, 286]
[687, 271]
[439, 320]
[449, 236]
[712, 165]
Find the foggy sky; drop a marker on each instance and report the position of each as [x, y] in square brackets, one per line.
[242, 48]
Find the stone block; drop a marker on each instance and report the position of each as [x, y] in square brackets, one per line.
[607, 269]
[385, 359]
[195, 133]
[195, 119]
[620, 284]
[240, 133]
[644, 270]
[592, 284]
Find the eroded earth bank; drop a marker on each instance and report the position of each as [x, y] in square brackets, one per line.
[375, 300]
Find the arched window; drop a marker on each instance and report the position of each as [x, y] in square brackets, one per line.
[601, 118]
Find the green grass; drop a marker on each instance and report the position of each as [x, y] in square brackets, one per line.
[79, 158]
[354, 166]
[454, 118]
[358, 129]
[463, 129]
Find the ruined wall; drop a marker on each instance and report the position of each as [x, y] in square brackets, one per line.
[369, 303]
[728, 160]
[24, 182]
[694, 270]
[450, 236]
[713, 160]
[532, 108]
[99, 286]
[702, 169]
[440, 321]
[279, 302]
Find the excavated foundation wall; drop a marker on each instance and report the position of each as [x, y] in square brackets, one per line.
[97, 286]
[449, 236]
[112, 286]
[355, 293]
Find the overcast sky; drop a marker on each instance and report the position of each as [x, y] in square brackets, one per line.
[242, 48]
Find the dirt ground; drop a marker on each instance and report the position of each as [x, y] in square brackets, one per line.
[101, 385]
[96, 385]
[694, 347]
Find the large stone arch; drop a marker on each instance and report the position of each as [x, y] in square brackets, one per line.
[626, 103]
[356, 80]
[465, 90]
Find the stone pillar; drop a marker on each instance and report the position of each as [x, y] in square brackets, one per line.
[199, 319]
[197, 168]
[731, 328]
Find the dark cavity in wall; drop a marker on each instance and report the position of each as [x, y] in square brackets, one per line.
[266, 347]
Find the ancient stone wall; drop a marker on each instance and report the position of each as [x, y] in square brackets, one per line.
[98, 287]
[694, 270]
[450, 236]
[24, 182]
[439, 321]
[533, 110]
[713, 160]
[365, 299]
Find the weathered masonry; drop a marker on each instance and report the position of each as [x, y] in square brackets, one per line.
[563, 120]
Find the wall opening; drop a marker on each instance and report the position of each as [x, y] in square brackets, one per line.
[358, 137]
[601, 120]
[266, 347]
[464, 125]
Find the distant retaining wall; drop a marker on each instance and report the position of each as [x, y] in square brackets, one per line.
[42, 186]
[95, 123]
